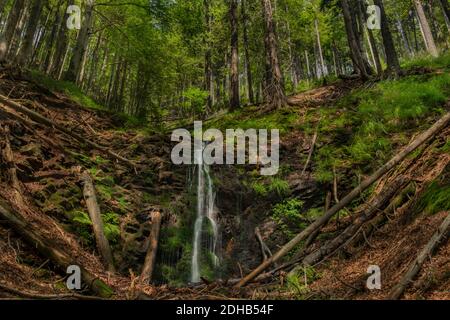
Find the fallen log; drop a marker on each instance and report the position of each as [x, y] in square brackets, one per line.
[417, 142]
[150, 259]
[368, 213]
[43, 120]
[50, 250]
[442, 232]
[96, 218]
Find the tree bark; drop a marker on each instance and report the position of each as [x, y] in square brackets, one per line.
[248, 64]
[274, 90]
[389, 47]
[234, 64]
[97, 223]
[417, 142]
[356, 53]
[208, 56]
[150, 259]
[61, 45]
[26, 49]
[319, 48]
[76, 62]
[426, 30]
[10, 28]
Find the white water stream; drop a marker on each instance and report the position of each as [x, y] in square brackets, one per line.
[205, 213]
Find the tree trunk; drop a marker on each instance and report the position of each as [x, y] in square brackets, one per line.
[319, 48]
[208, 56]
[389, 47]
[248, 65]
[371, 39]
[97, 223]
[426, 30]
[274, 89]
[417, 142]
[150, 259]
[359, 62]
[27, 45]
[76, 62]
[443, 4]
[10, 28]
[234, 64]
[405, 40]
[61, 45]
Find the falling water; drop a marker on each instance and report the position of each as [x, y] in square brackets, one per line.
[205, 213]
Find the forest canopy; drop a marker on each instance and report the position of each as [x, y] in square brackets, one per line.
[166, 59]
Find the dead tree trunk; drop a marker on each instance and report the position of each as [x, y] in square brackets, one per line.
[417, 264]
[96, 218]
[368, 213]
[437, 127]
[150, 259]
[49, 248]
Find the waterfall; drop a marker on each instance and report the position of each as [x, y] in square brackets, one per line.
[205, 213]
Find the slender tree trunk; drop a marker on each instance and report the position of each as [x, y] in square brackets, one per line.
[234, 64]
[405, 41]
[274, 90]
[445, 7]
[208, 62]
[27, 44]
[370, 38]
[61, 45]
[10, 28]
[426, 30]
[319, 48]
[389, 47]
[248, 65]
[76, 62]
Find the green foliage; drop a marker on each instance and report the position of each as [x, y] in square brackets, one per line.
[263, 187]
[195, 100]
[68, 88]
[288, 216]
[82, 225]
[436, 198]
[443, 61]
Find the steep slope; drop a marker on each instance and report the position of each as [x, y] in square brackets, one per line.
[357, 127]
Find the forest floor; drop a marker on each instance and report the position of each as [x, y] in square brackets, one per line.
[49, 164]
